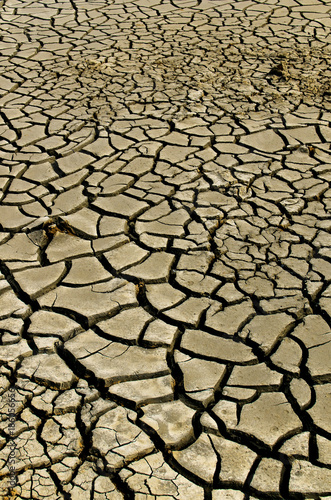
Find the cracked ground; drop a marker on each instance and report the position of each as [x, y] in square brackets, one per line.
[165, 257]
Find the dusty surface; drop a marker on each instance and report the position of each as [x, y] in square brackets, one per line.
[165, 258]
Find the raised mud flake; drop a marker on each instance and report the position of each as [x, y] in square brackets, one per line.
[267, 476]
[74, 162]
[236, 459]
[64, 246]
[86, 271]
[142, 392]
[231, 319]
[30, 453]
[113, 362]
[93, 302]
[199, 458]
[153, 476]
[197, 282]
[12, 219]
[301, 391]
[154, 269]
[172, 421]
[297, 445]
[229, 495]
[254, 376]
[84, 220]
[324, 450]
[160, 333]
[69, 201]
[200, 377]
[214, 347]
[121, 205]
[171, 225]
[320, 412]
[163, 296]
[90, 480]
[288, 356]
[37, 281]
[127, 324]
[112, 225]
[48, 323]
[126, 256]
[315, 333]
[116, 183]
[62, 436]
[269, 418]
[11, 305]
[190, 311]
[15, 352]
[267, 330]
[175, 154]
[19, 248]
[49, 370]
[118, 440]
[267, 141]
[308, 478]
[216, 199]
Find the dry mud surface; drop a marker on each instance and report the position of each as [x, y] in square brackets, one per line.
[165, 257]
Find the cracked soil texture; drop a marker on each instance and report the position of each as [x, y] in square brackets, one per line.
[165, 250]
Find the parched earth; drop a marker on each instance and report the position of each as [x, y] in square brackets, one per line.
[165, 259]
